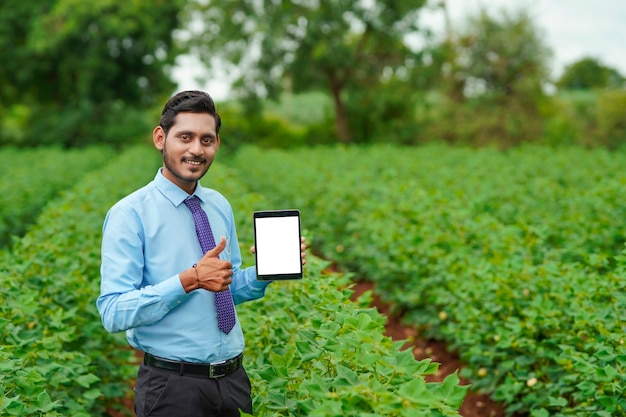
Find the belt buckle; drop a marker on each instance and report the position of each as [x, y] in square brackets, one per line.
[212, 368]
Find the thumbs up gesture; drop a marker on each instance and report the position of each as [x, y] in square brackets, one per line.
[210, 273]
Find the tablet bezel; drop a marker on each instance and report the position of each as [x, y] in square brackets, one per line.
[277, 213]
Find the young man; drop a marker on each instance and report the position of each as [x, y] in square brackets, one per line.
[169, 277]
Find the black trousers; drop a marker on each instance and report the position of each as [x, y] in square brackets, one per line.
[162, 393]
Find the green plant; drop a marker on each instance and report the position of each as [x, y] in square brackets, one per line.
[510, 257]
[26, 187]
[59, 360]
[611, 113]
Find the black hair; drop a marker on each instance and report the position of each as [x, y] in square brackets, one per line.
[192, 101]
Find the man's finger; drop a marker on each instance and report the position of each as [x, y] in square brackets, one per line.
[215, 252]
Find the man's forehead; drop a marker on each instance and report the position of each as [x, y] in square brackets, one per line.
[194, 121]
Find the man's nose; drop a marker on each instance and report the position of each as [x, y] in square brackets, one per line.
[195, 147]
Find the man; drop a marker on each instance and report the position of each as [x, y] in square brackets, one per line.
[167, 287]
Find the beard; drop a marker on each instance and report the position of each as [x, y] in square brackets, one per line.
[177, 168]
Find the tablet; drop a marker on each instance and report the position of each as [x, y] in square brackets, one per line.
[277, 244]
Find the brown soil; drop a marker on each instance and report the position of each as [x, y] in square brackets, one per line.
[474, 404]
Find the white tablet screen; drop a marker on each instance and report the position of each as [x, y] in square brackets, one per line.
[277, 244]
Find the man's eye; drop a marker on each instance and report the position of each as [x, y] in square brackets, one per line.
[184, 137]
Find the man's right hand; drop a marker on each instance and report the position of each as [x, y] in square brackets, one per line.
[210, 273]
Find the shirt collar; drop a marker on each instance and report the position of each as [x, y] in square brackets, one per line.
[171, 191]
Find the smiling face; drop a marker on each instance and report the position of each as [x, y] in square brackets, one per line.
[188, 148]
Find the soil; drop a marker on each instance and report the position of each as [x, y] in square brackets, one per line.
[474, 405]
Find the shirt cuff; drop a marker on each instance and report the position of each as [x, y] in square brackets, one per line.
[172, 291]
[255, 284]
[259, 285]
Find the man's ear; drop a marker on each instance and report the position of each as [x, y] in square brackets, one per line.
[158, 137]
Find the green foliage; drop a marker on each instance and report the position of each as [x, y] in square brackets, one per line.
[332, 358]
[292, 121]
[611, 114]
[589, 73]
[340, 46]
[307, 108]
[31, 178]
[57, 359]
[510, 257]
[561, 128]
[78, 66]
[500, 56]
[493, 80]
[384, 113]
[588, 118]
[265, 129]
[311, 351]
[484, 123]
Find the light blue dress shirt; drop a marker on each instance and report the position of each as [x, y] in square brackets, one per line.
[148, 238]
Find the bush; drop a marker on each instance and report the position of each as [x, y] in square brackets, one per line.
[386, 113]
[292, 122]
[588, 118]
[483, 123]
[611, 118]
[114, 124]
[493, 81]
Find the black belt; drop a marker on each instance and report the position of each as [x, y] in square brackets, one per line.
[213, 370]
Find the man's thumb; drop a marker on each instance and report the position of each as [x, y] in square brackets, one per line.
[215, 252]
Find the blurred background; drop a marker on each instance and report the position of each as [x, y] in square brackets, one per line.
[464, 156]
[296, 73]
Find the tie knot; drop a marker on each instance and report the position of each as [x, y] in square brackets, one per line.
[193, 203]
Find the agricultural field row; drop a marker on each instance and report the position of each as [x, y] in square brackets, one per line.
[30, 178]
[313, 352]
[56, 359]
[310, 350]
[515, 259]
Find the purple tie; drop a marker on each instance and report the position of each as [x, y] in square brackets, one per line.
[223, 299]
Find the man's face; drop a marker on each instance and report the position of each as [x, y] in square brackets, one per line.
[188, 149]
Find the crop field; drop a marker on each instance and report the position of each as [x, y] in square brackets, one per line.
[310, 350]
[515, 259]
[31, 178]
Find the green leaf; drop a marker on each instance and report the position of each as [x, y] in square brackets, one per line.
[86, 380]
[44, 402]
[542, 412]
[417, 392]
[609, 403]
[92, 394]
[347, 374]
[450, 392]
[557, 402]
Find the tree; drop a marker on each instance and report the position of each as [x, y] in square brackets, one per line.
[589, 73]
[493, 78]
[335, 45]
[500, 57]
[77, 65]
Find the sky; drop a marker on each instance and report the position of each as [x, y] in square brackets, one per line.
[573, 29]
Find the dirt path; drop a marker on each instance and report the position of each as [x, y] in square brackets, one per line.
[474, 404]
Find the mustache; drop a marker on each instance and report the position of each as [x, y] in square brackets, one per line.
[194, 159]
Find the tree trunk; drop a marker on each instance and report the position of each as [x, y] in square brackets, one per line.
[341, 117]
